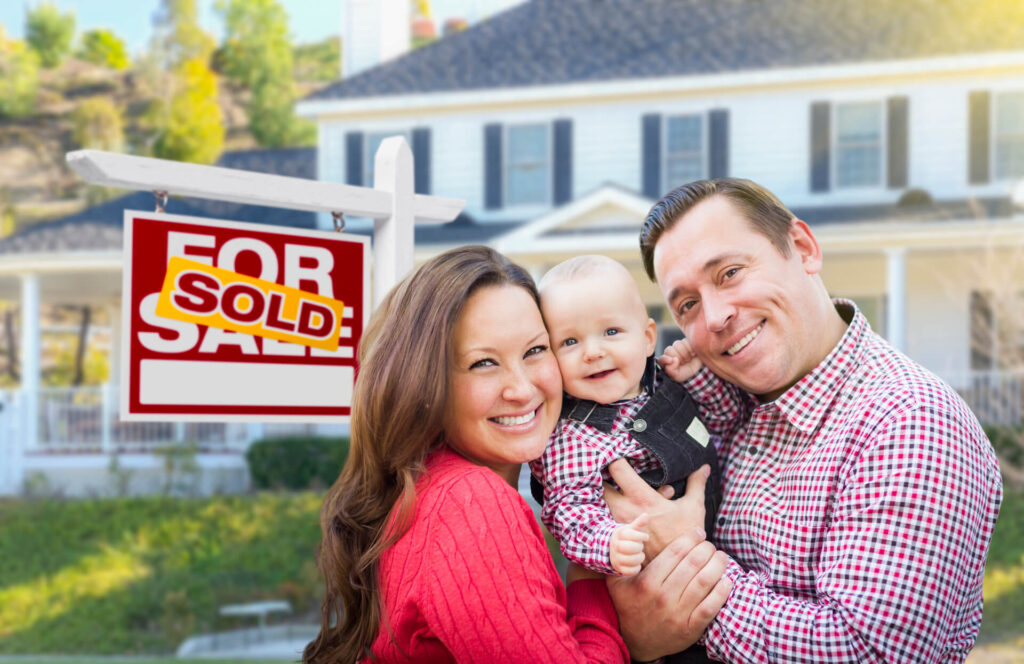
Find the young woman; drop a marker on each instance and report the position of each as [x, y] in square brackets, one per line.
[428, 551]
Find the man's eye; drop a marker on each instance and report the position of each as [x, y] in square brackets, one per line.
[686, 306]
[731, 272]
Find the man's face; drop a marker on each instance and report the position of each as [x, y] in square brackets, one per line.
[746, 309]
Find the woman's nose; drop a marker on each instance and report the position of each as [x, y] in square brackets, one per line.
[518, 386]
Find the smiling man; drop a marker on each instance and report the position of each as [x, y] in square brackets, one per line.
[860, 492]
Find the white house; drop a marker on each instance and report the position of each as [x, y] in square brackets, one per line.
[895, 128]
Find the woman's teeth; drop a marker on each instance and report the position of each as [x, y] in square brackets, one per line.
[742, 343]
[512, 421]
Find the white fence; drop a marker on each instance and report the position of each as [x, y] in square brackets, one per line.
[996, 397]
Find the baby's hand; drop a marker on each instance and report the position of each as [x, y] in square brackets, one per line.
[627, 550]
[679, 361]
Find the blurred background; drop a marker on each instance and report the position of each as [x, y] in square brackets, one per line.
[895, 128]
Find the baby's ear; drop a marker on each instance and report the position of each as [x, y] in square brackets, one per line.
[651, 335]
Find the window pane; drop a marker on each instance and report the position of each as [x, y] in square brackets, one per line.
[526, 169]
[527, 144]
[1010, 135]
[527, 184]
[859, 144]
[684, 134]
[683, 169]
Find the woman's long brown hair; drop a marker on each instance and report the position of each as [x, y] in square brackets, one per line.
[398, 408]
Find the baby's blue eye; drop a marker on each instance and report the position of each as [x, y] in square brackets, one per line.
[611, 332]
[571, 341]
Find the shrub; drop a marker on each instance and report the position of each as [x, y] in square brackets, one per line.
[96, 123]
[49, 32]
[296, 462]
[1008, 442]
[103, 47]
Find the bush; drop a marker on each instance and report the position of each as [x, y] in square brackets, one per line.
[49, 32]
[104, 48]
[19, 77]
[296, 462]
[1008, 442]
[96, 123]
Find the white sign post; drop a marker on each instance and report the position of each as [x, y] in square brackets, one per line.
[391, 203]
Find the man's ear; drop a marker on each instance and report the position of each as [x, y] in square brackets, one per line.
[806, 247]
[650, 336]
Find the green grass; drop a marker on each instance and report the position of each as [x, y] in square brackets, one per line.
[1004, 574]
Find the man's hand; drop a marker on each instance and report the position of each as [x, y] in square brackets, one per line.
[627, 546]
[668, 518]
[679, 361]
[668, 605]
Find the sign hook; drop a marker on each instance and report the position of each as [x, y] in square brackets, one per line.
[161, 199]
[339, 221]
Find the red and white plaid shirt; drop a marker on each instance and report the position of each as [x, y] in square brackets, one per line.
[572, 469]
[858, 509]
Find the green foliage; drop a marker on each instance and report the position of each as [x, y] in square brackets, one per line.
[191, 125]
[104, 48]
[1008, 442]
[19, 77]
[49, 33]
[319, 61]
[1004, 573]
[135, 575]
[258, 55]
[97, 123]
[296, 462]
[177, 35]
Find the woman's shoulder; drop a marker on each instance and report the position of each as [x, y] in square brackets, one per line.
[453, 486]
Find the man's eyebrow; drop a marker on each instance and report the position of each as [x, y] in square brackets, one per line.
[708, 266]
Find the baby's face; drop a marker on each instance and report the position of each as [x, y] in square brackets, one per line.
[601, 335]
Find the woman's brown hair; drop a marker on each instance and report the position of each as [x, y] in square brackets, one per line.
[398, 408]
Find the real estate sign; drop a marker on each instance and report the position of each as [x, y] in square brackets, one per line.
[229, 321]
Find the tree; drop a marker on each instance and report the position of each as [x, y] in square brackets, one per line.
[49, 33]
[191, 124]
[96, 123]
[104, 48]
[19, 77]
[319, 61]
[177, 35]
[258, 55]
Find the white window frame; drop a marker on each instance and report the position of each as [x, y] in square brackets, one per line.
[883, 147]
[996, 135]
[368, 156]
[506, 155]
[704, 141]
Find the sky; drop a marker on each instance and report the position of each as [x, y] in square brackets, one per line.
[309, 20]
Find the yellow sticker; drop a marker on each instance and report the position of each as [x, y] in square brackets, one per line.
[199, 293]
[697, 431]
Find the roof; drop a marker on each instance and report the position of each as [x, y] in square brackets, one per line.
[549, 42]
[100, 227]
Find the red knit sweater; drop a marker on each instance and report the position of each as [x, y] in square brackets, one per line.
[472, 581]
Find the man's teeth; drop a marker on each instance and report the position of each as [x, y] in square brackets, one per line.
[742, 343]
[512, 421]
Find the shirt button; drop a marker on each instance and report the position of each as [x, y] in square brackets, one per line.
[721, 520]
[639, 424]
[752, 449]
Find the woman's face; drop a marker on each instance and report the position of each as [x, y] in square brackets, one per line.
[506, 392]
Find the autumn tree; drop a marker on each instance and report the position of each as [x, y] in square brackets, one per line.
[177, 35]
[103, 47]
[19, 77]
[257, 54]
[96, 123]
[191, 123]
[49, 33]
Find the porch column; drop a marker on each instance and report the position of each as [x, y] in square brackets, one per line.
[30, 361]
[896, 297]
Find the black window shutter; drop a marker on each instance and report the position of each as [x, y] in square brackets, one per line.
[718, 155]
[820, 141]
[562, 172]
[354, 158]
[898, 144]
[421, 159]
[492, 166]
[978, 137]
[651, 179]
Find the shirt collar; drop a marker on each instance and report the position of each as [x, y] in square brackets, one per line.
[806, 402]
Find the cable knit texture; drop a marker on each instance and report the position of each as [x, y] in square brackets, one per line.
[472, 581]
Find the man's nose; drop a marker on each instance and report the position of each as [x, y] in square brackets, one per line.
[718, 312]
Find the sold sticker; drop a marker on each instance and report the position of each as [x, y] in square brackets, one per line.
[198, 293]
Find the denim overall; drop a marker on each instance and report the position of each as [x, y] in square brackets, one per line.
[663, 426]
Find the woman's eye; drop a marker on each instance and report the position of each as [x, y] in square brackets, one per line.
[483, 363]
[536, 350]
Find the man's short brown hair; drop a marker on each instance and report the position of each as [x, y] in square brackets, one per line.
[765, 212]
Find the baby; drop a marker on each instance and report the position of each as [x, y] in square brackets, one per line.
[617, 405]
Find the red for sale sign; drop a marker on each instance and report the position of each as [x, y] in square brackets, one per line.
[229, 321]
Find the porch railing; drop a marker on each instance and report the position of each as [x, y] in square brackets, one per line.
[996, 397]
